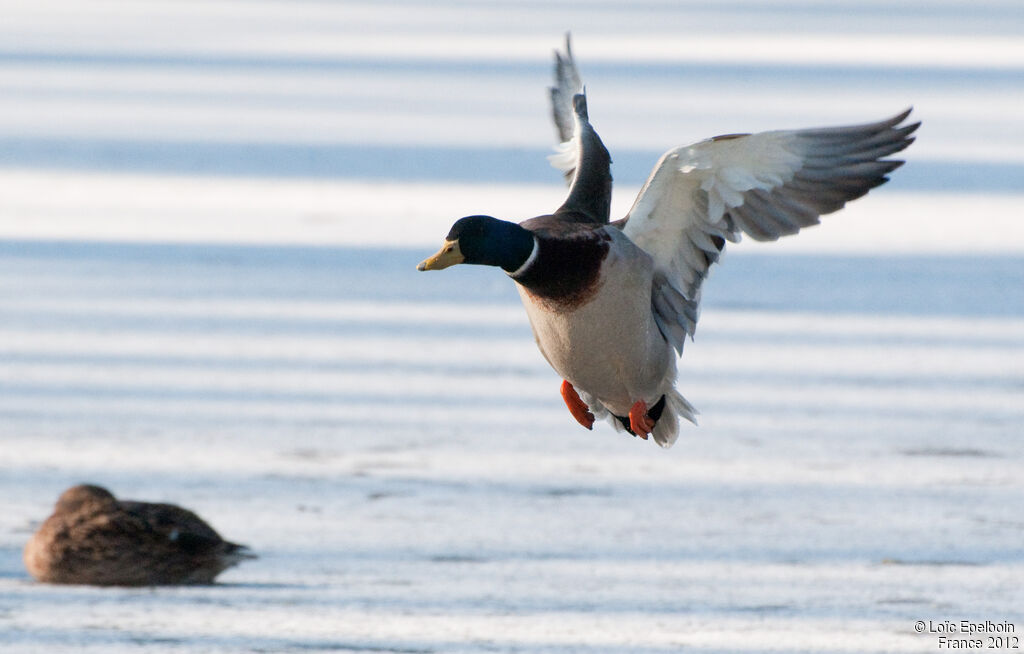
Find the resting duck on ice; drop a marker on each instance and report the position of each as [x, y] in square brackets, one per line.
[94, 538]
[611, 303]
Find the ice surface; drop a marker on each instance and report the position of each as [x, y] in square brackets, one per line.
[408, 474]
[210, 217]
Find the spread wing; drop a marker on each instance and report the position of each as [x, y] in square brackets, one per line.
[581, 156]
[766, 185]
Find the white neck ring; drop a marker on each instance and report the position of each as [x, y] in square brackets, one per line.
[529, 260]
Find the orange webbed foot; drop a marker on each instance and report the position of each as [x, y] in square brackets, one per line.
[639, 422]
[577, 407]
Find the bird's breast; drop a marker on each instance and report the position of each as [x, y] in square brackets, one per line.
[607, 344]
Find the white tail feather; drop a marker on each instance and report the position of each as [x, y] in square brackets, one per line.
[666, 431]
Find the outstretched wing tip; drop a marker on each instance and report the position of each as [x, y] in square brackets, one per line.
[567, 83]
[909, 128]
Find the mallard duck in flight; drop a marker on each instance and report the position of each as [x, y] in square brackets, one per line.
[611, 303]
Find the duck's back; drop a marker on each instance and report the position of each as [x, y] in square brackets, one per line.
[127, 544]
[88, 546]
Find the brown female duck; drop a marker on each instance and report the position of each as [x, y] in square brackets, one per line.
[94, 538]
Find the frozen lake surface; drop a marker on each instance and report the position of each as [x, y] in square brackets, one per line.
[208, 296]
[395, 449]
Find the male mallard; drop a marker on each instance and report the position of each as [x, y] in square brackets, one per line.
[610, 301]
[94, 538]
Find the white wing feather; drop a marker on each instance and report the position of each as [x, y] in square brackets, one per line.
[766, 185]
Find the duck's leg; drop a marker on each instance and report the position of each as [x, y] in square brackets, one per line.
[640, 423]
[577, 407]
